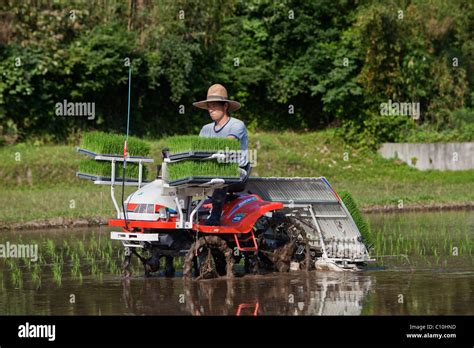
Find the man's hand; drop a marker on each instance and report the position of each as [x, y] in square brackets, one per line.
[165, 153]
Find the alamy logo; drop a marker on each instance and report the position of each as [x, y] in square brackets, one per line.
[27, 251]
[75, 109]
[37, 331]
[392, 108]
[237, 156]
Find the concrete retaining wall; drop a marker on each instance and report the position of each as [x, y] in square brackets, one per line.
[440, 156]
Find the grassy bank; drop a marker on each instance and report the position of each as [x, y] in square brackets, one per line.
[40, 182]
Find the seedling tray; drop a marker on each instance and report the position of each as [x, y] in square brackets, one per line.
[199, 180]
[191, 155]
[107, 179]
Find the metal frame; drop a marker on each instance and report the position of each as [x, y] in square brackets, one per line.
[297, 208]
[113, 159]
[128, 238]
[318, 228]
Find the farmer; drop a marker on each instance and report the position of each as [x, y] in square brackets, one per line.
[224, 126]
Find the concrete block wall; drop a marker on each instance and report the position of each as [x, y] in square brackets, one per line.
[439, 156]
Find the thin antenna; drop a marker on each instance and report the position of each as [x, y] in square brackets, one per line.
[125, 154]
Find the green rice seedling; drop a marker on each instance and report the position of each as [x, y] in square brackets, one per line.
[50, 249]
[184, 169]
[103, 168]
[9, 263]
[41, 260]
[468, 244]
[359, 220]
[66, 248]
[113, 268]
[57, 269]
[79, 277]
[16, 275]
[81, 248]
[186, 143]
[94, 270]
[27, 262]
[107, 250]
[76, 264]
[2, 283]
[178, 262]
[36, 275]
[93, 246]
[112, 144]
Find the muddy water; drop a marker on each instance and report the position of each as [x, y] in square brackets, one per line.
[424, 266]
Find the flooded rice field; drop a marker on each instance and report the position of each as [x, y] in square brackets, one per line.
[424, 267]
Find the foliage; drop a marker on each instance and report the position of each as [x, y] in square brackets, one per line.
[292, 64]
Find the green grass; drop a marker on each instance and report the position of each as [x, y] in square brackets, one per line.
[107, 143]
[185, 143]
[183, 169]
[103, 168]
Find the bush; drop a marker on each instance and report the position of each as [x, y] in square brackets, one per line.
[372, 130]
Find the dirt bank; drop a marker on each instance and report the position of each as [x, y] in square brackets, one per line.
[57, 222]
[393, 208]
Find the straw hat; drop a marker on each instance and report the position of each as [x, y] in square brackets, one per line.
[217, 93]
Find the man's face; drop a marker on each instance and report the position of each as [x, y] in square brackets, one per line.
[216, 110]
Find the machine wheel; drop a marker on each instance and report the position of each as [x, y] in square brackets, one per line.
[295, 247]
[209, 257]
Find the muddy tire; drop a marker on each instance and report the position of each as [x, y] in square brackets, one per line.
[209, 257]
[296, 237]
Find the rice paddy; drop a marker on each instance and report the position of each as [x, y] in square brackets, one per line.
[418, 242]
[186, 143]
[92, 256]
[427, 257]
[424, 243]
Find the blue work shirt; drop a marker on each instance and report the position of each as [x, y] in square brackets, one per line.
[233, 127]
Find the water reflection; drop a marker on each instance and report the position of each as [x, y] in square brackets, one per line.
[289, 294]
